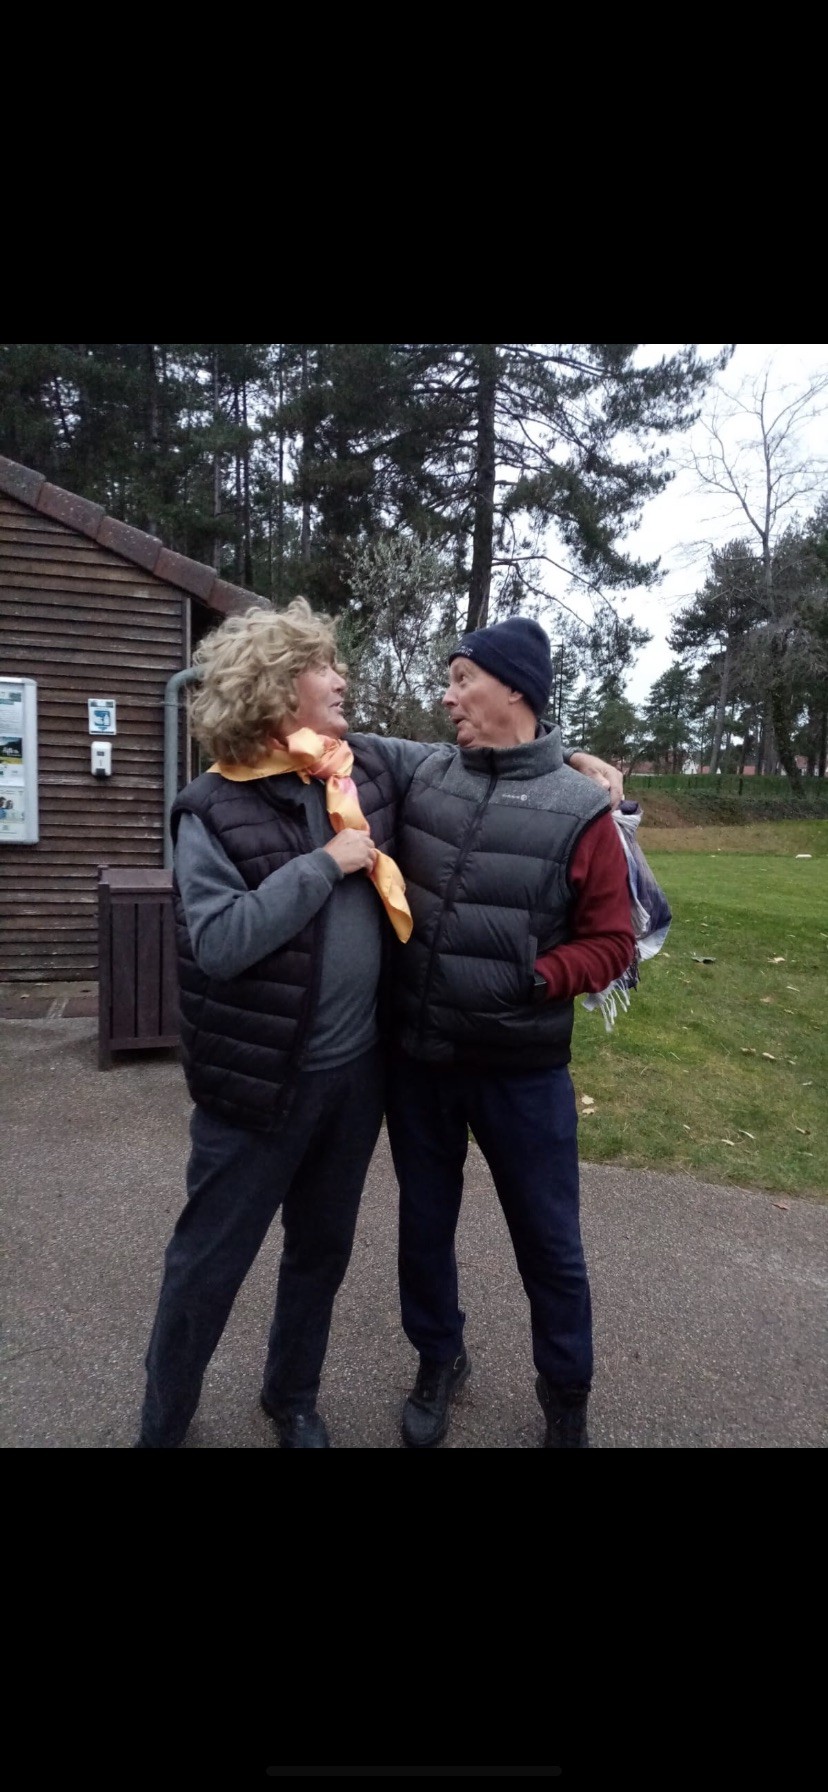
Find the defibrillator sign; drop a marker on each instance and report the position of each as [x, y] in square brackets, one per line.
[102, 715]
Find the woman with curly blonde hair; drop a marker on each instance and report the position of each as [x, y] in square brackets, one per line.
[281, 947]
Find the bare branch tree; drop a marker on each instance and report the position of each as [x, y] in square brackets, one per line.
[765, 468]
[759, 461]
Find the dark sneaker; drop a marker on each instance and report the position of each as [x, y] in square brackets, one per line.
[298, 1430]
[426, 1412]
[566, 1410]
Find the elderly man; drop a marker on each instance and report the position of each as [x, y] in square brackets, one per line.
[518, 890]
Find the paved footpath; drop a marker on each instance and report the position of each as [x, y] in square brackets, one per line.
[709, 1302]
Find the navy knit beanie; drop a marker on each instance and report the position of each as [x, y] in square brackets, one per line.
[517, 652]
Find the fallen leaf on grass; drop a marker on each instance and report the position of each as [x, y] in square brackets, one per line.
[793, 987]
[809, 1084]
[748, 1135]
[686, 1127]
[805, 1131]
[727, 1142]
[766, 999]
[776, 961]
[749, 1050]
[770, 1055]
[698, 959]
[587, 1101]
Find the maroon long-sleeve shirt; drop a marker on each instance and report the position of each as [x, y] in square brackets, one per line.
[602, 943]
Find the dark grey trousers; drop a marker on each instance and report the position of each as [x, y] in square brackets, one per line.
[314, 1170]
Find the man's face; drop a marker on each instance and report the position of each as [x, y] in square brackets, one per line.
[483, 710]
[319, 694]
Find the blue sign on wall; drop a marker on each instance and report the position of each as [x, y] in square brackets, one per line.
[102, 715]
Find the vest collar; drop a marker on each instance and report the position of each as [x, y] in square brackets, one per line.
[531, 759]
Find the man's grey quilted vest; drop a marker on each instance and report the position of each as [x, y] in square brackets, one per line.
[486, 837]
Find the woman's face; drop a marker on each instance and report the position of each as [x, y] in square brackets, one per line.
[319, 694]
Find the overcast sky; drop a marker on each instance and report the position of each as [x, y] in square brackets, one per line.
[683, 516]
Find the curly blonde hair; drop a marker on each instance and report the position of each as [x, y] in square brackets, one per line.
[249, 663]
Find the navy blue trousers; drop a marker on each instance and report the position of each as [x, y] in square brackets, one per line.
[525, 1123]
[314, 1170]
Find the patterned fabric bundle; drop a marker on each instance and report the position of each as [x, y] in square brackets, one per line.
[650, 912]
[318, 756]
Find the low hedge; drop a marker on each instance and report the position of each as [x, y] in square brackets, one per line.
[742, 810]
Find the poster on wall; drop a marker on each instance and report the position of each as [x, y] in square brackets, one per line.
[18, 761]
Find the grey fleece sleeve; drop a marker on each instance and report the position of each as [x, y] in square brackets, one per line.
[230, 926]
[401, 756]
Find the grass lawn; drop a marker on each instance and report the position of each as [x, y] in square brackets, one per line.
[719, 1069]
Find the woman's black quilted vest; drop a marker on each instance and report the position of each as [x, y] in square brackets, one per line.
[242, 1038]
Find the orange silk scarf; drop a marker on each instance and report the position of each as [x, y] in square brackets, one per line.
[318, 756]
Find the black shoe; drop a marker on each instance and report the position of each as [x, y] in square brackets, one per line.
[426, 1411]
[566, 1410]
[298, 1430]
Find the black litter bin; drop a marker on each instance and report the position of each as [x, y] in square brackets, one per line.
[137, 975]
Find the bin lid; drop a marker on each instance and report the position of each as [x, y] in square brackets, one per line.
[135, 877]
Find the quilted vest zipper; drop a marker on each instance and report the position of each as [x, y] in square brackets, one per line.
[450, 888]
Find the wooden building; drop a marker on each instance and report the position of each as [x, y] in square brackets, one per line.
[90, 608]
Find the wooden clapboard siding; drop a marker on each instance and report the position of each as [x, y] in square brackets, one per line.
[90, 607]
[84, 623]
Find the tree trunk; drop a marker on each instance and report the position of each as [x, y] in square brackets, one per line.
[237, 544]
[781, 712]
[484, 489]
[760, 742]
[779, 716]
[248, 544]
[746, 738]
[280, 502]
[721, 706]
[305, 540]
[216, 466]
[153, 429]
